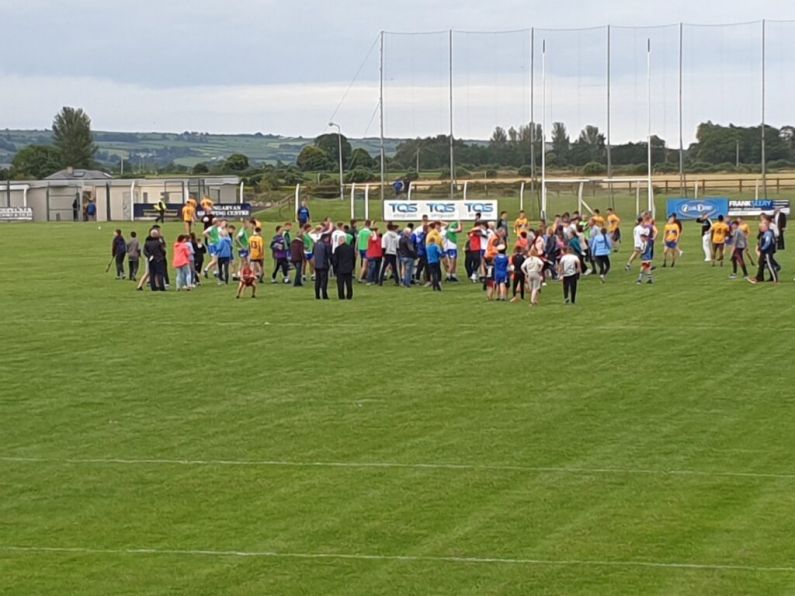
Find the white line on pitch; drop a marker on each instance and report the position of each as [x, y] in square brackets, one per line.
[409, 558]
[388, 465]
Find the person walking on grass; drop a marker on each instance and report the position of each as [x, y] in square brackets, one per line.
[740, 246]
[390, 242]
[344, 265]
[533, 268]
[706, 236]
[297, 258]
[766, 248]
[212, 236]
[224, 252]
[648, 236]
[638, 244]
[569, 269]
[256, 248]
[118, 251]
[501, 273]
[155, 254]
[614, 227]
[450, 234]
[362, 243]
[519, 278]
[671, 234]
[407, 255]
[133, 251]
[720, 231]
[279, 250]
[434, 255]
[602, 248]
[322, 266]
[180, 260]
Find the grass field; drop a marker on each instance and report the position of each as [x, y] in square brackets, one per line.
[407, 442]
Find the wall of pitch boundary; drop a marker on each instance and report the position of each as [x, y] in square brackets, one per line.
[679, 42]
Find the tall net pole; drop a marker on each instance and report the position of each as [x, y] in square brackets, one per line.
[682, 181]
[532, 109]
[381, 112]
[648, 77]
[452, 150]
[764, 156]
[544, 129]
[609, 155]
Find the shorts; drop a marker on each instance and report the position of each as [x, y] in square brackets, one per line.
[616, 235]
[243, 254]
[248, 282]
[259, 262]
[452, 253]
[212, 249]
[534, 281]
[363, 255]
[500, 278]
[308, 256]
[672, 245]
[648, 254]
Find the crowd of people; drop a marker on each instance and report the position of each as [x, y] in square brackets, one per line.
[506, 258]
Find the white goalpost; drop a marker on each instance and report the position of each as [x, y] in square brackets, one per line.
[360, 201]
[572, 191]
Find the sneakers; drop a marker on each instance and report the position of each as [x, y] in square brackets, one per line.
[273, 280]
[602, 278]
[287, 280]
[732, 276]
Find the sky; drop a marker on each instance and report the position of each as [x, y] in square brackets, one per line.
[288, 67]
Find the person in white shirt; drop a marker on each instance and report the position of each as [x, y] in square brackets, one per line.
[338, 233]
[532, 268]
[570, 269]
[390, 242]
[638, 243]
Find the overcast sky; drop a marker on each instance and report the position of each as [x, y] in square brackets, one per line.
[283, 66]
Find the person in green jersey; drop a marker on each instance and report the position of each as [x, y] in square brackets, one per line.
[362, 240]
[309, 251]
[213, 235]
[450, 234]
[241, 247]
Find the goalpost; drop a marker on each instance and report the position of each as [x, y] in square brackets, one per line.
[360, 201]
[568, 194]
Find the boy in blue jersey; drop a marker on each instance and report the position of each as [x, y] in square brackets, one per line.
[303, 214]
[423, 271]
[434, 256]
[501, 264]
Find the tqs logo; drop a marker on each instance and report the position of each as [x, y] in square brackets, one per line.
[482, 208]
[442, 208]
[403, 207]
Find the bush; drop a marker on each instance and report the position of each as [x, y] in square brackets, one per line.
[593, 168]
[666, 168]
[444, 174]
[779, 164]
[359, 174]
[412, 175]
[525, 171]
[491, 173]
[462, 172]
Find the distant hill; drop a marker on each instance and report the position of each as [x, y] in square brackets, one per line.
[188, 148]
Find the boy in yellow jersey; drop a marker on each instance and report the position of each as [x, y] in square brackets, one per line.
[189, 214]
[520, 223]
[720, 231]
[256, 248]
[671, 235]
[614, 227]
[598, 219]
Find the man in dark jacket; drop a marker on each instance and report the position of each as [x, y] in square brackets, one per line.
[119, 251]
[780, 219]
[155, 253]
[297, 258]
[322, 256]
[344, 264]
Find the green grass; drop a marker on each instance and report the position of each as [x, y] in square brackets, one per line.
[601, 449]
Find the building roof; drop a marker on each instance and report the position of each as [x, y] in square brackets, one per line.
[79, 174]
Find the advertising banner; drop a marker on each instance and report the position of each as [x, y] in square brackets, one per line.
[695, 208]
[757, 208]
[174, 211]
[16, 214]
[399, 210]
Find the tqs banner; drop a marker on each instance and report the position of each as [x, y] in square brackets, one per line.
[695, 208]
[397, 210]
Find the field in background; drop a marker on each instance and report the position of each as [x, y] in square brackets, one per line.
[405, 442]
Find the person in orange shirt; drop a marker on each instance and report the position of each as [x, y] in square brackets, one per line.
[189, 214]
[720, 232]
[520, 223]
[598, 219]
[256, 248]
[671, 234]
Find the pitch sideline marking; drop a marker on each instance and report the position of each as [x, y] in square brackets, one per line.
[405, 558]
[395, 465]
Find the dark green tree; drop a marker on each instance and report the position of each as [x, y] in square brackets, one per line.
[330, 144]
[237, 162]
[36, 162]
[560, 142]
[361, 159]
[313, 159]
[73, 139]
[201, 168]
